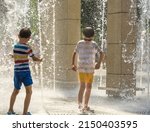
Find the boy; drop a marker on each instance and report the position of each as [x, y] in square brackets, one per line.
[86, 50]
[22, 74]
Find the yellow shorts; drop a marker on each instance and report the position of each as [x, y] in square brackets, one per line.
[86, 77]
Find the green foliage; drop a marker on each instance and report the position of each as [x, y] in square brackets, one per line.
[33, 16]
[93, 13]
[88, 9]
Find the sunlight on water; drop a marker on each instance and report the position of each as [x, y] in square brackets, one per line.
[15, 14]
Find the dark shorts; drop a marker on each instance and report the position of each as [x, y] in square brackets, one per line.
[22, 77]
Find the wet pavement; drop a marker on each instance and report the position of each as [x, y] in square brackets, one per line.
[63, 101]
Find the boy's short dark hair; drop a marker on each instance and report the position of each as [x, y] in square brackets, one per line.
[88, 32]
[25, 33]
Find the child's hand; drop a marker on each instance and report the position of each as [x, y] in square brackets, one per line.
[11, 55]
[97, 66]
[74, 68]
[36, 59]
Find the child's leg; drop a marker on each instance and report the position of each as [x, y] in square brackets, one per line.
[27, 99]
[12, 100]
[87, 94]
[80, 94]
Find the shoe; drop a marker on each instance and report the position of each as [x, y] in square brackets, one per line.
[88, 110]
[82, 111]
[11, 113]
[28, 113]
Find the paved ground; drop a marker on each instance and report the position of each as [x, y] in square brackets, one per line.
[53, 103]
[63, 101]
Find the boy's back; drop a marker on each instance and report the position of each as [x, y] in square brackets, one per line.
[86, 55]
[20, 53]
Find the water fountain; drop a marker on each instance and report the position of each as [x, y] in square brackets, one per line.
[58, 29]
[21, 14]
[143, 45]
[140, 56]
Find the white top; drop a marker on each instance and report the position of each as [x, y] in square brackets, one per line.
[86, 51]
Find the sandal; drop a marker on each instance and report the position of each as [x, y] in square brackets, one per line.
[28, 113]
[11, 113]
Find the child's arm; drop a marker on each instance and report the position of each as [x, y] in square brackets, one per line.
[36, 59]
[97, 66]
[74, 68]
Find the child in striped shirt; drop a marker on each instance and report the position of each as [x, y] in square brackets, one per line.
[22, 74]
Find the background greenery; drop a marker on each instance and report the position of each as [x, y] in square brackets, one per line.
[94, 14]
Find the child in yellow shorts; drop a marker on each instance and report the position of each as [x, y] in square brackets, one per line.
[86, 50]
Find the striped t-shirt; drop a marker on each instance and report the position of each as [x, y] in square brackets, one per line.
[21, 53]
[86, 51]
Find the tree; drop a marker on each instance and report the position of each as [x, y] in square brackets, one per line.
[93, 13]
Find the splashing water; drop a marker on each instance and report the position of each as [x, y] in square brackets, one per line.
[139, 14]
[14, 14]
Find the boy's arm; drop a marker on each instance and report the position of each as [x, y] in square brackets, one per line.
[36, 59]
[74, 68]
[97, 66]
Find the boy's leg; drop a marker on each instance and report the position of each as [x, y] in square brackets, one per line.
[89, 80]
[27, 99]
[87, 94]
[80, 94]
[12, 100]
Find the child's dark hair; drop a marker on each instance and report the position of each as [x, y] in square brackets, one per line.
[88, 32]
[25, 33]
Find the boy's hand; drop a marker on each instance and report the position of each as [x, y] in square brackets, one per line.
[36, 59]
[74, 68]
[97, 66]
[11, 55]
